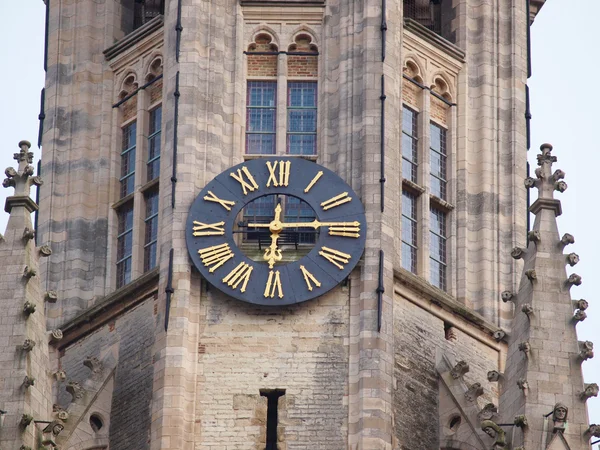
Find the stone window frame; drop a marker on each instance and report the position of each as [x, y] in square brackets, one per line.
[143, 188]
[438, 90]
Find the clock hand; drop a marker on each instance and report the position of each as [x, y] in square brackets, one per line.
[314, 224]
[272, 253]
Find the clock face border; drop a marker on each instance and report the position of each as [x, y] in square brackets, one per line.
[295, 285]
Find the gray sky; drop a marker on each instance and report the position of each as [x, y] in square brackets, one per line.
[565, 111]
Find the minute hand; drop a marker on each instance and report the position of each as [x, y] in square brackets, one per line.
[314, 224]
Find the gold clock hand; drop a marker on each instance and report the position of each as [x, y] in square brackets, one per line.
[272, 253]
[315, 224]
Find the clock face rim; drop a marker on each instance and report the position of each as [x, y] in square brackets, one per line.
[302, 171]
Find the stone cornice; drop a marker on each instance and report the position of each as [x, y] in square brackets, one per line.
[20, 200]
[133, 38]
[546, 203]
[434, 39]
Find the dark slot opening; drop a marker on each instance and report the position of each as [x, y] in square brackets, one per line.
[272, 415]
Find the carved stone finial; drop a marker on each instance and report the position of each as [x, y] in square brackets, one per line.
[56, 335]
[60, 375]
[28, 308]
[26, 419]
[538, 173]
[45, 251]
[531, 274]
[75, 389]
[558, 175]
[559, 416]
[579, 316]
[572, 259]
[507, 296]
[527, 309]
[28, 345]
[474, 391]
[567, 239]
[28, 382]
[574, 279]
[593, 430]
[580, 304]
[493, 430]
[51, 297]
[529, 182]
[488, 412]
[499, 335]
[459, 369]
[493, 376]
[586, 350]
[546, 156]
[29, 273]
[534, 236]
[560, 186]
[28, 234]
[525, 347]
[591, 390]
[517, 253]
[520, 421]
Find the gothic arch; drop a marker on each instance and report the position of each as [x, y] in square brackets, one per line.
[303, 39]
[413, 69]
[264, 33]
[440, 85]
[154, 68]
[128, 84]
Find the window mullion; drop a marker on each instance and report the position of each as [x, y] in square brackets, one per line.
[282, 72]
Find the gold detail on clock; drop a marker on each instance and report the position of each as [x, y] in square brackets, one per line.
[208, 229]
[241, 273]
[309, 278]
[313, 181]
[250, 184]
[215, 256]
[336, 201]
[227, 204]
[281, 178]
[335, 257]
[273, 283]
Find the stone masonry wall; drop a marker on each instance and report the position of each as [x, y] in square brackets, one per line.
[302, 349]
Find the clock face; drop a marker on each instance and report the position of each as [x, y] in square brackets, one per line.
[338, 231]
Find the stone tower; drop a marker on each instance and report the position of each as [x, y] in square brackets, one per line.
[421, 108]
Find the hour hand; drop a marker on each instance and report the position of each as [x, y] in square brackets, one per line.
[345, 229]
[272, 253]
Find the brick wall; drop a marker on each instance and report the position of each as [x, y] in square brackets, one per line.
[303, 66]
[129, 108]
[439, 111]
[410, 94]
[155, 91]
[262, 65]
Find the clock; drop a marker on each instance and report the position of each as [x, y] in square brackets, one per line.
[213, 228]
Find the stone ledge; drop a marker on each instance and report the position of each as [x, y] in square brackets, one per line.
[443, 300]
[109, 308]
[435, 39]
[546, 203]
[20, 200]
[133, 38]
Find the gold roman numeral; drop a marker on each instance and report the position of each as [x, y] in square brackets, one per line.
[313, 181]
[212, 229]
[249, 185]
[348, 229]
[227, 204]
[215, 256]
[309, 278]
[241, 273]
[336, 201]
[335, 257]
[274, 282]
[283, 177]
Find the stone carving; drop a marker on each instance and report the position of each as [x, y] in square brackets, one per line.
[451, 334]
[580, 304]
[534, 236]
[75, 389]
[94, 364]
[520, 421]
[499, 335]
[559, 416]
[531, 274]
[517, 253]
[459, 369]
[51, 297]
[523, 384]
[29, 272]
[52, 430]
[28, 345]
[546, 157]
[587, 350]
[572, 259]
[28, 234]
[28, 382]
[24, 447]
[560, 186]
[493, 376]
[524, 347]
[491, 429]
[56, 335]
[488, 411]
[62, 415]
[26, 419]
[574, 279]
[591, 390]
[28, 308]
[594, 430]
[579, 316]
[473, 392]
[37, 181]
[527, 309]
[558, 175]
[529, 182]
[507, 296]
[60, 375]
[567, 239]
[45, 251]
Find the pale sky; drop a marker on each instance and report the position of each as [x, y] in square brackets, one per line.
[564, 103]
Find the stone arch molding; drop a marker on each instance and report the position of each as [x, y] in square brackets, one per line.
[413, 68]
[261, 31]
[442, 86]
[128, 83]
[303, 32]
[154, 67]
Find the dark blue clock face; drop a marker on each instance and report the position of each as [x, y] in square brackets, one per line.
[213, 224]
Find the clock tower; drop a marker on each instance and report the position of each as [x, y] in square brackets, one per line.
[289, 225]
